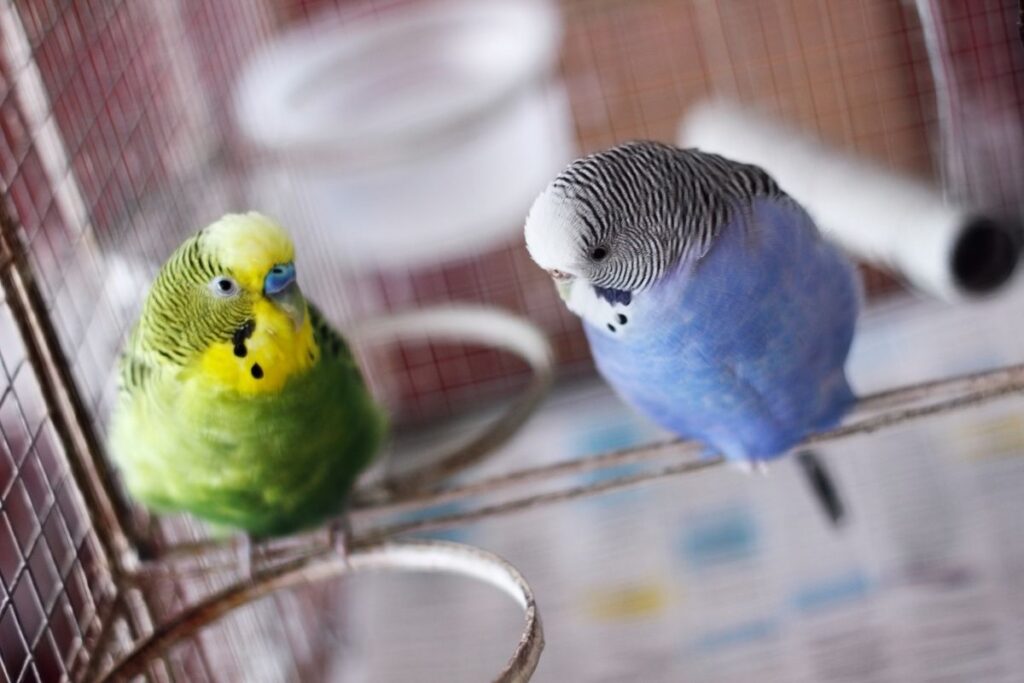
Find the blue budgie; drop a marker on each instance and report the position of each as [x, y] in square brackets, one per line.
[710, 301]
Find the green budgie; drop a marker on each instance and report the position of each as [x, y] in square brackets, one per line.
[238, 403]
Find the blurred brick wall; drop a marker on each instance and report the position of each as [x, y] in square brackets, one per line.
[141, 96]
[114, 113]
[855, 73]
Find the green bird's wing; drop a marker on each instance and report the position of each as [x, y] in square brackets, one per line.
[268, 464]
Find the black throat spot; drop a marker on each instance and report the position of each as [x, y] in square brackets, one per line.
[243, 332]
[614, 296]
[239, 337]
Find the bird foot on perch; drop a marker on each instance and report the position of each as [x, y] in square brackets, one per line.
[751, 467]
[339, 536]
[246, 555]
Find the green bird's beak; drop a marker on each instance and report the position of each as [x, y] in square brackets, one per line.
[281, 287]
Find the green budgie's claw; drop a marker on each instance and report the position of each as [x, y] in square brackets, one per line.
[340, 533]
[244, 553]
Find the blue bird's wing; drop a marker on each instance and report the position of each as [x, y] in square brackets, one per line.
[746, 348]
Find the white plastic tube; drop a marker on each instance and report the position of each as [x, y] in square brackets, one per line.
[882, 217]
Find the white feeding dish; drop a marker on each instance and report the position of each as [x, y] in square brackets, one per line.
[412, 135]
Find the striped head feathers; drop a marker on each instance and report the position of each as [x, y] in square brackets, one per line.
[226, 306]
[613, 223]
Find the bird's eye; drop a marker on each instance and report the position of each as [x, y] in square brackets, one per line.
[598, 253]
[223, 286]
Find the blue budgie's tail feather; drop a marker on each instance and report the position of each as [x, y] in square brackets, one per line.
[821, 483]
[823, 486]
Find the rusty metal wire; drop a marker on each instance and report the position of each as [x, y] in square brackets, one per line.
[878, 411]
[289, 561]
[89, 121]
[115, 141]
[1020, 20]
[423, 556]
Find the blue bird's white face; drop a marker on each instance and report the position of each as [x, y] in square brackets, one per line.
[556, 240]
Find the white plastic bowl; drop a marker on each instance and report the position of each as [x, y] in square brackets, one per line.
[411, 136]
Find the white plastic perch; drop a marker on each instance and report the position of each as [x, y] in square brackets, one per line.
[894, 221]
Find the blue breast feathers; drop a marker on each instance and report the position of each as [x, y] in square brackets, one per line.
[744, 349]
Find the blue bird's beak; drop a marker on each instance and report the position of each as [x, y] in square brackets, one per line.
[563, 283]
[281, 288]
[564, 290]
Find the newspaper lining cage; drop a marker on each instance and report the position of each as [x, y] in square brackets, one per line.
[120, 136]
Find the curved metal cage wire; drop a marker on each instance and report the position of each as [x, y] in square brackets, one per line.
[117, 141]
[424, 556]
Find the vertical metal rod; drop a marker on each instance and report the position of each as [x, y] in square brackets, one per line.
[108, 511]
[1020, 21]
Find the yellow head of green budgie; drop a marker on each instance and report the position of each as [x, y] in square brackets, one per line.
[238, 403]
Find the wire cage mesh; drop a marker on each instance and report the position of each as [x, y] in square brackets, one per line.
[118, 139]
